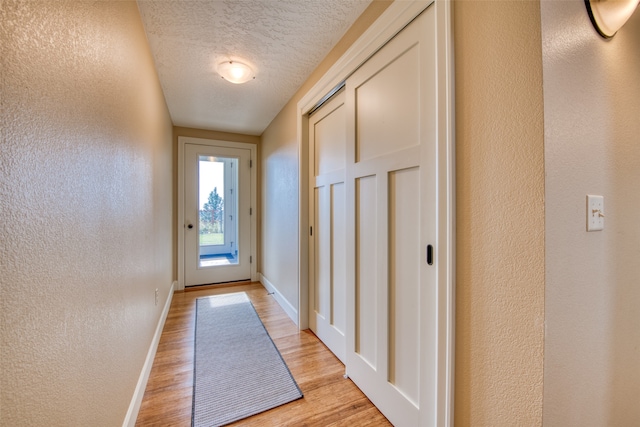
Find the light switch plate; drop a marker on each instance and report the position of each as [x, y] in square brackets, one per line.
[595, 213]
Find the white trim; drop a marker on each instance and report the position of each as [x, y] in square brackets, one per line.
[284, 303]
[180, 219]
[182, 140]
[392, 21]
[446, 212]
[303, 218]
[138, 394]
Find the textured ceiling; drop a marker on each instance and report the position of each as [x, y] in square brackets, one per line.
[282, 40]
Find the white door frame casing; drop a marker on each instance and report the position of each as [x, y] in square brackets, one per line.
[391, 22]
[180, 222]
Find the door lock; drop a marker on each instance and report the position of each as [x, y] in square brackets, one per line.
[190, 226]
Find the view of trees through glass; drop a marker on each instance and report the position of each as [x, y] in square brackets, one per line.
[211, 201]
[212, 220]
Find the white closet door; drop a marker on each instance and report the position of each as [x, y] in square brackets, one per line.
[391, 212]
[327, 245]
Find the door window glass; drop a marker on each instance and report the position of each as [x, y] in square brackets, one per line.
[217, 205]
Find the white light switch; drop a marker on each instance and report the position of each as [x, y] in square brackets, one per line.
[595, 213]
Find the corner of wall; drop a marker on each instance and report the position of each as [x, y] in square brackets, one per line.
[289, 308]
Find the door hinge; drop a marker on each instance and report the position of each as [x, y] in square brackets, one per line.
[311, 231]
[251, 260]
[250, 163]
[250, 211]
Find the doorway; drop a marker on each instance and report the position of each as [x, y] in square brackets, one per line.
[216, 225]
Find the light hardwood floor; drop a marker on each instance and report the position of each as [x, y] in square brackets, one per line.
[329, 399]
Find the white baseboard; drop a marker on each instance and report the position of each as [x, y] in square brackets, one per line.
[138, 394]
[284, 303]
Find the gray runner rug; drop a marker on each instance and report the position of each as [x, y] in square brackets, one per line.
[238, 371]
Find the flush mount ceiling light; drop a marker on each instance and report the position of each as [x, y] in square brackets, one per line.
[235, 72]
[608, 16]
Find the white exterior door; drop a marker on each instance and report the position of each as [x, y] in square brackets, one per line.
[217, 224]
[391, 193]
[327, 210]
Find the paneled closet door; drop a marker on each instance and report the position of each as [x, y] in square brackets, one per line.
[391, 213]
[327, 243]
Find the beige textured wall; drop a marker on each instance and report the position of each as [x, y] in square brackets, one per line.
[592, 146]
[85, 208]
[279, 175]
[500, 214]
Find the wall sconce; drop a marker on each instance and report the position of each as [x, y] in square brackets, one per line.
[235, 72]
[608, 16]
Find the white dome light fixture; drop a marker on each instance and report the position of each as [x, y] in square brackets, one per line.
[608, 16]
[235, 72]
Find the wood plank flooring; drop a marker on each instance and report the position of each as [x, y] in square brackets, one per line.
[329, 399]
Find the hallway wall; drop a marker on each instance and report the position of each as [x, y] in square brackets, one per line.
[86, 210]
[592, 146]
[500, 206]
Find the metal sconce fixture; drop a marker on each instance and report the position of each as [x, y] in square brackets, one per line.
[608, 16]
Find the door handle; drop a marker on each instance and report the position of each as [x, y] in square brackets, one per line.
[190, 226]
